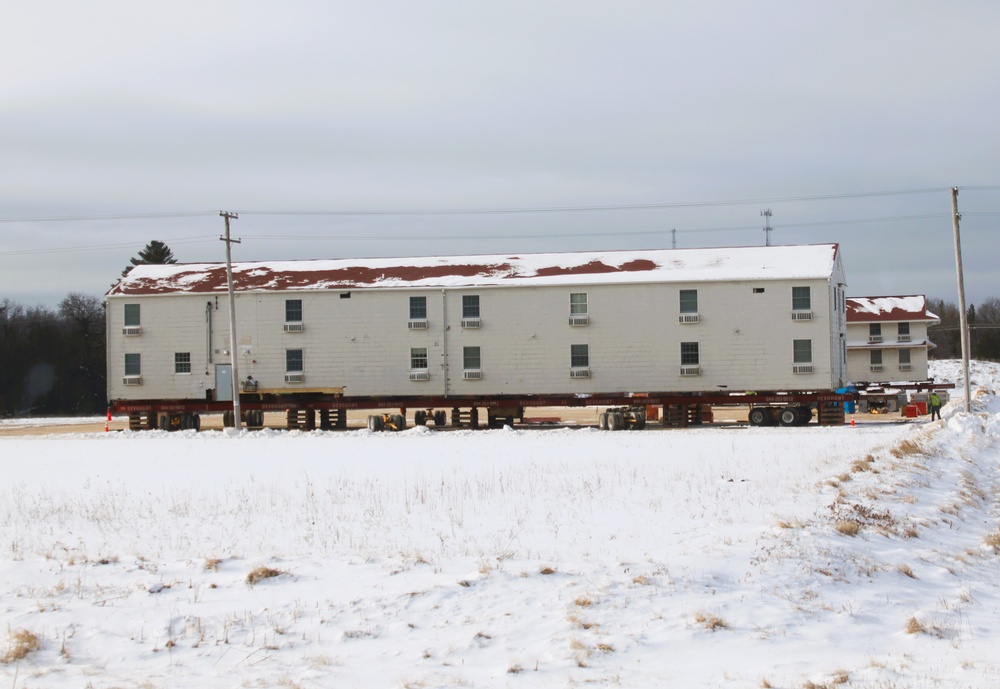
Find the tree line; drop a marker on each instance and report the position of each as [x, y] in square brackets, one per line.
[54, 361]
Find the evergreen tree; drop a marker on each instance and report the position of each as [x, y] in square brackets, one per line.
[156, 252]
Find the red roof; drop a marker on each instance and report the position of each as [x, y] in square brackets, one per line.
[888, 309]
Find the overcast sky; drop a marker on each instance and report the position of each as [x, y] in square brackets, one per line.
[327, 125]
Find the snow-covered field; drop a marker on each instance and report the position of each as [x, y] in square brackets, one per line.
[864, 556]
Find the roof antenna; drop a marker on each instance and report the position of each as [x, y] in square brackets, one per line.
[766, 214]
[673, 239]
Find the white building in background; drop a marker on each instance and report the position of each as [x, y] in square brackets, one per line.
[753, 318]
[887, 338]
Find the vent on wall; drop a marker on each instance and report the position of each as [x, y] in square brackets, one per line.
[132, 380]
[688, 318]
[579, 373]
[802, 368]
[579, 320]
[905, 367]
[876, 368]
[294, 327]
[472, 323]
[690, 370]
[295, 377]
[420, 375]
[802, 315]
[132, 330]
[418, 324]
[472, 375]
[874, 338]
[904, 338]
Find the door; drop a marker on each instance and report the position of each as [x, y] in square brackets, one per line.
[224, 382]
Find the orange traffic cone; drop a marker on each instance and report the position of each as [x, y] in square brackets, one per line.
[108, 422]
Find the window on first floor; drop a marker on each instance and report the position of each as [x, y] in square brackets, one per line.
[802, 351]
[876, 357]
[418, 308]
[293, 361]
[578, 304]
[418, 358]
[689, 301]
[904, 357]
[471, 358]
[801, 298]
[579, 356]
[470, 306]
[293, 310]
[133, 364]
[689, 354]
[182, 362]
[132, 316]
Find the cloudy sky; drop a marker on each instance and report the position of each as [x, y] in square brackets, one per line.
[341, 129]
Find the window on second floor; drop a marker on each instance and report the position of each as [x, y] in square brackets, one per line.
[132, 315]
[133, 364]
[578, 304]
[471, 358]
[418, 308]
[293, 310]
[293, 361]
[904, 332]
[418, 358]
[689, 301]
[802, 351]
[801, 298]
[875, 332]
[689, 354]
[182, 362]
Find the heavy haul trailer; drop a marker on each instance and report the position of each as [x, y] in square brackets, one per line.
[490, 334]
[624, 411]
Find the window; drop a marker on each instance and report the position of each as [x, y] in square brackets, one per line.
[904, 357]
[801, 299]
[182, 362]
[874, 332]
[689, 354]
[471, 359]
[802, 351]
[578, 304]
[293, 310]
[418, 308]
[470, 306]
[579, 356]
[758, 290]
[293, 361]
[132, 315]
[133, 364]
[904, 332]
[689, 301]
[876, 357]
[418, 358]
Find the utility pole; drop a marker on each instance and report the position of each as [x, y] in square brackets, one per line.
[963, 317]
[766, 214]
[232, 317]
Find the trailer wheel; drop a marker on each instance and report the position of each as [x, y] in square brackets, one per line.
[196, 422]
[399, 421]
[759, 416]
[227, 419]
[375, 424]
[789, 416]
[640, 421]
[441, 418]
[616, 421]
[805, 414]
[602, 421]
[420, 418]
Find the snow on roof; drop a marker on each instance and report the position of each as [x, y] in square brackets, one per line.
[873, 309]
[608, 267]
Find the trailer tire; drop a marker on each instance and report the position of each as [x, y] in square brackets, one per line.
[602, 421]
[420, 418]
[789, 416]
[616, 421]
[640, 421]
[375, 424]
[441, 418]
[805, 414]
[399, 421]
[227, 419]
[759, 416]
[196, 422]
